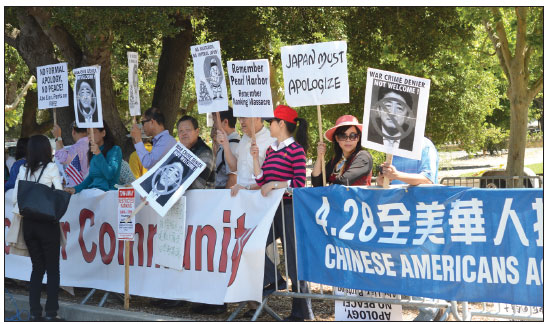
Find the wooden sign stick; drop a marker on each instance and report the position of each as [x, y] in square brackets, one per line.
[386, 180]
[321, 141]
[218, 120]
[127, 275]
[54, 117]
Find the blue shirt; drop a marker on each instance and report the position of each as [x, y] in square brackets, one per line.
[427, 166]
[104, 172]
[162, 143]
[13, 174]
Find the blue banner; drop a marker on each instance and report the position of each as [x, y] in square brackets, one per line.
[452, 243]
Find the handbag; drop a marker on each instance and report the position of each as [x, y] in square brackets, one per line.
[41, 203]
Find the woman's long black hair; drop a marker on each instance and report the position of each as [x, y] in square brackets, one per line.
[338, 152]
[39, 153]
[108, 141]
[21, 149]
[301, 135]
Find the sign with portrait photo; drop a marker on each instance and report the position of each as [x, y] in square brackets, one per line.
[166, 182]
[211, 89]
[133, 85]
[395, 110]
[315, 74]
[52, 83]
[87, 97]
[250, 88]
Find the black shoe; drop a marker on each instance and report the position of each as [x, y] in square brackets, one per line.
[207, 309]
[55, 318]
[171, 303]
[271, 287]
[293, 318]
[36, 318]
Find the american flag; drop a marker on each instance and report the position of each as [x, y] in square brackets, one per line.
[73, 170]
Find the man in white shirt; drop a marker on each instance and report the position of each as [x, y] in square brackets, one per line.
[242, 161]
[224, 178]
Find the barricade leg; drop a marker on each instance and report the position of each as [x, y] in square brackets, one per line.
[233, 315]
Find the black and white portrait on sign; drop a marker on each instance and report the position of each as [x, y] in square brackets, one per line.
[87, 97]
[395, 110]
[167, 181]
[212, 72]
[211, 88]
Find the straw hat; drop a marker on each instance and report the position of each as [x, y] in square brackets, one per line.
[345, 120]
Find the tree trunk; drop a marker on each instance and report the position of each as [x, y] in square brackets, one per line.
[172, 67]
[29, 126]
[517, 135]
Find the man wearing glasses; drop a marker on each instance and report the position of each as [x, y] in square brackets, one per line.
[153, 126]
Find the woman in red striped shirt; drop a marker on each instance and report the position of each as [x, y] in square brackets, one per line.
[284, 167]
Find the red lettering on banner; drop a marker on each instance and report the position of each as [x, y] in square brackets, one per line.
[152, 233]
[225, 242]
[242, 235]
[7, 223]
[210, 232]
[66, 228]
[139, 230]
[187, 254]
[107, 257]
[88, 255]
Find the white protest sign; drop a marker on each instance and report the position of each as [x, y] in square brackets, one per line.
[395, 110]
[126, 205]
[169, 241]
[250, 88]
[166, 182]
[133, 85]
[53, 86]
[211, 90]
[366, 311]
[315, 74]
[87, 97]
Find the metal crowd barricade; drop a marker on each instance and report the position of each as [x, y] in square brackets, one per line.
[495, 182]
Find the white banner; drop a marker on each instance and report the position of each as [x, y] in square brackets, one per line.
[250, 88]
[133, 85]
[215, 270]
[53, 86]
[315, 74]
[87, 97]
[395, 110]
[209, 78]
[166, 182]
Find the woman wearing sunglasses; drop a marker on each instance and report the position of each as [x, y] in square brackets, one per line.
[350, 166]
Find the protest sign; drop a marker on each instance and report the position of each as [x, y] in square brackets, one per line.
[250, 88]
[452, 243]
[223, 258]
[169, 241]
[347, 310]
[315, 74]
[126, 205]
[395, 110]
[133, 85]
[166, 182]
[209, 78]
[87, 97]
[53, 86]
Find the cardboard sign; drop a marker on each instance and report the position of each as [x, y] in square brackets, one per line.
[315, 74]
[87, 97]
[250, 88]
[126, 205]
[133, 85]
[211, 89]
[395, 109]
[166, 182]
[53, 86]
[169, 241]
[364, 311]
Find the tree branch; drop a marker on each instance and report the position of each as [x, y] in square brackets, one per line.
[499, 53]
[20, 95]
[535, 89]
[502, 38]
[10, 37]
[58, 35]
[521, 32]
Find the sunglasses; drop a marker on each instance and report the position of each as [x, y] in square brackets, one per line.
[344, 137]
[143, 121]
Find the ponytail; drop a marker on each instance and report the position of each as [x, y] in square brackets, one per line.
[301, 135]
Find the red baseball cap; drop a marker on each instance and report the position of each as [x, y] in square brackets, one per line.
[285, 113]
[345, 120]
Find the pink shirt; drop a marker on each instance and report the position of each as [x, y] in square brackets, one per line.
[66, 155]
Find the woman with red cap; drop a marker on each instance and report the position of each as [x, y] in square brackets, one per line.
[350, 166]
[284, 167]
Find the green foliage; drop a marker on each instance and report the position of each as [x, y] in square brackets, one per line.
[495, 139]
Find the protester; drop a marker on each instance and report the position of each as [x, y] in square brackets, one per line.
[153, 122]
[224, 178]
[41, 238]
[105, 160]
[242, 161]
[20, 154]
[135, 164]
[74, 158]
[350, 166]
[188, 133]
[284, 167]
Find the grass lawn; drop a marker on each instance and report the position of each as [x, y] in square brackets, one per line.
[537, 168]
